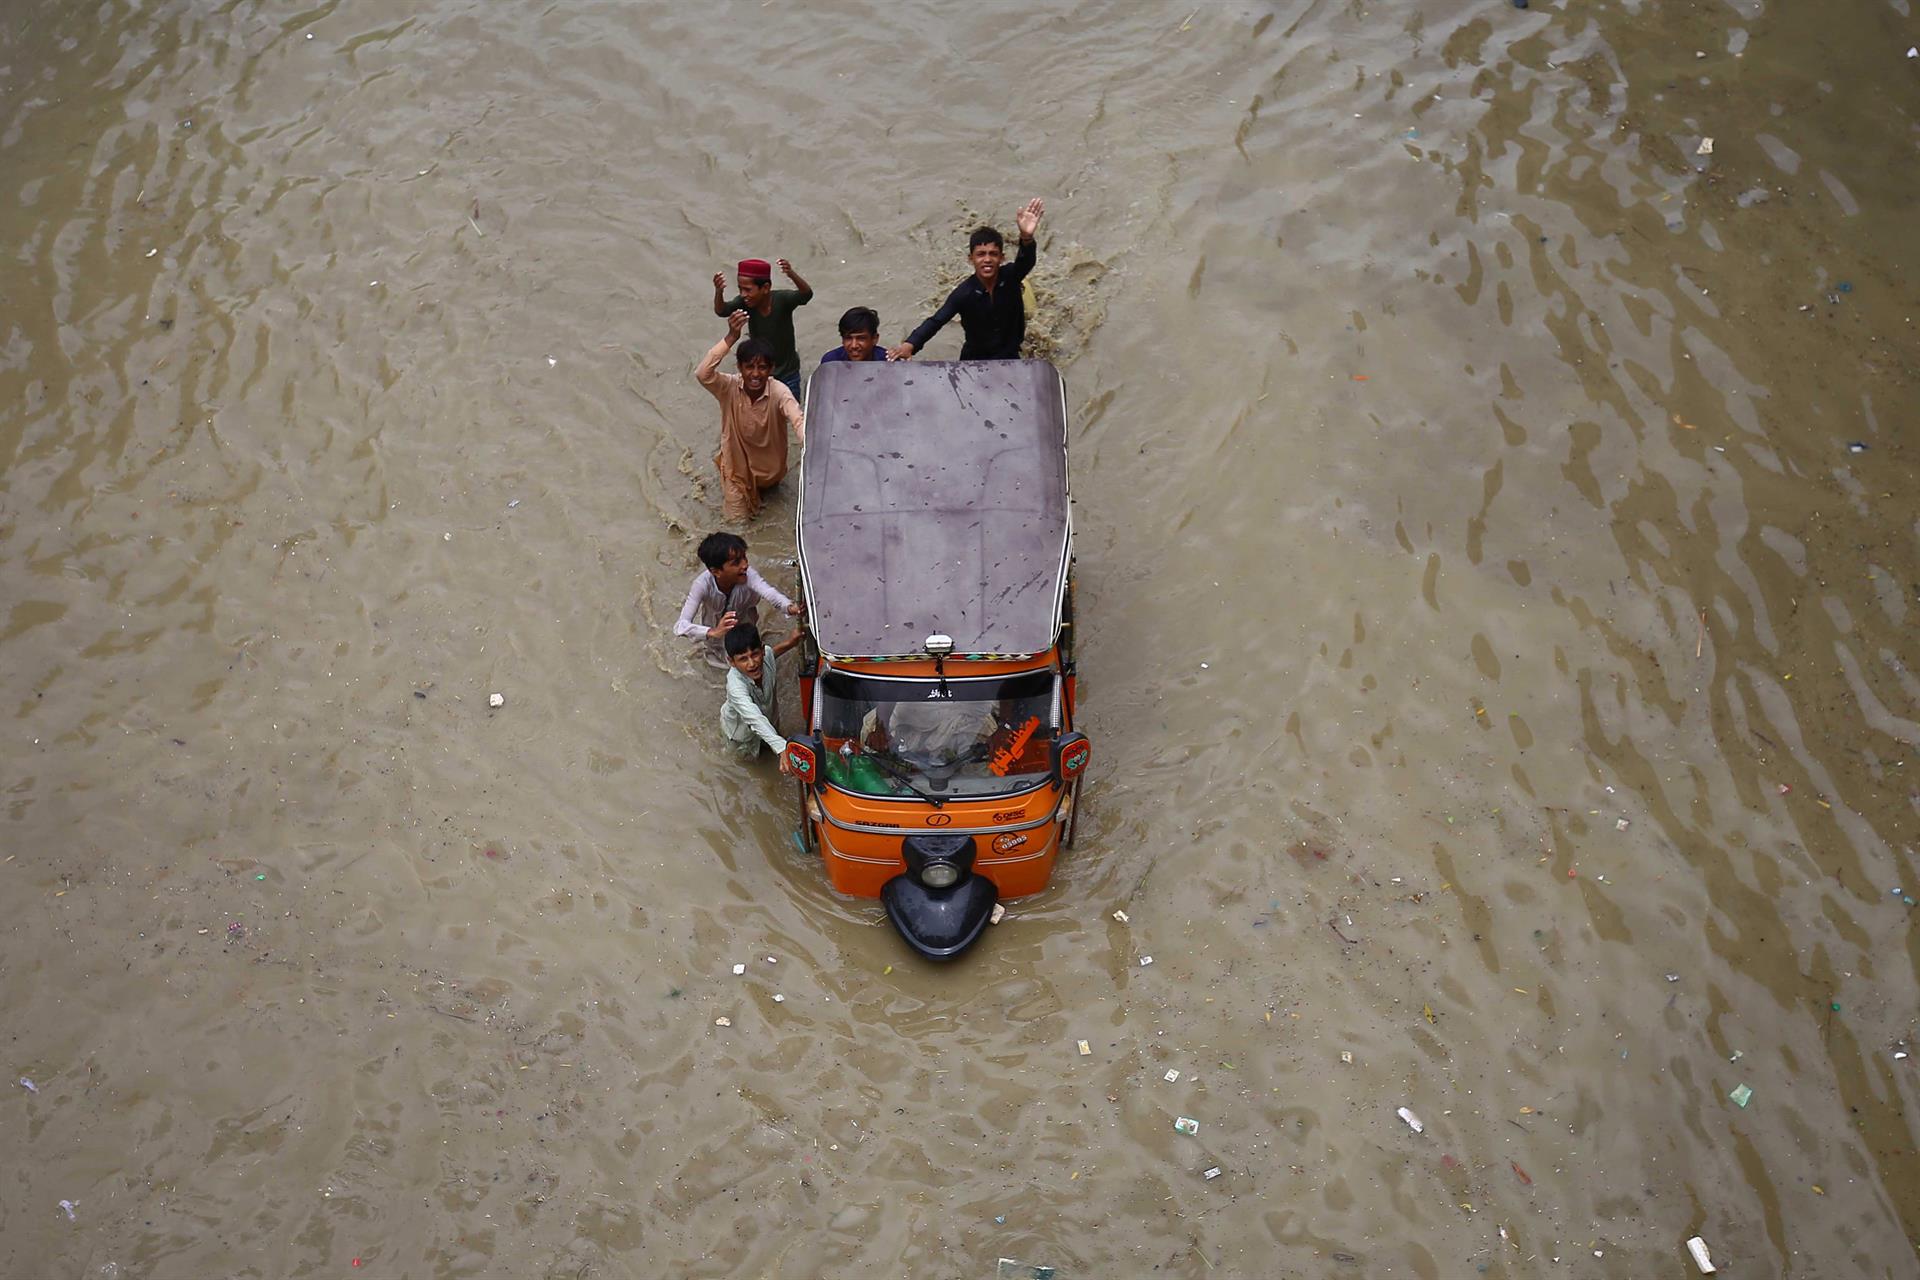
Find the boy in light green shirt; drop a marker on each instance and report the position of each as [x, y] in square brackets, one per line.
[746, 717]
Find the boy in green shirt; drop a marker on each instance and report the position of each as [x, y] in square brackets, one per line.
[746, 716]
[769, 311]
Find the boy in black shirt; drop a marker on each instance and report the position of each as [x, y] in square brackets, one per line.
[988, 302]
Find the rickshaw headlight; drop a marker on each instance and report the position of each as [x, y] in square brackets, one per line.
[939, 875]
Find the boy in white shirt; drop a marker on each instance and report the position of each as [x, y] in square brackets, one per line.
[725, 594]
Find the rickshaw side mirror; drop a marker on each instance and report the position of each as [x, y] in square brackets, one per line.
[1071, 751]
[803, 759]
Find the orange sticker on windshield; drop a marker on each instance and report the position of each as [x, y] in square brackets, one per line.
[1002, 761]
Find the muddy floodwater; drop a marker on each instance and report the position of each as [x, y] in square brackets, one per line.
[1493, 456]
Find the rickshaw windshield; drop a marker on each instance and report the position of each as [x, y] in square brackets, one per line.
[900, 738]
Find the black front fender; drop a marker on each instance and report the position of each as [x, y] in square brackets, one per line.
[939, 923]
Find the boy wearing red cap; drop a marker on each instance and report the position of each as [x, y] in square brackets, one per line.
[769, 311]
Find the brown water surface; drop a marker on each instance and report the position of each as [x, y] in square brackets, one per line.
[1500, 667]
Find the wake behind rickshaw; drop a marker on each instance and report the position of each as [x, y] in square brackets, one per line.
[939, 764]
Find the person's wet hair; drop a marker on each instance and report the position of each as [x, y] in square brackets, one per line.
[718, 548]
[985, 235]
[859, 320]
[752, 349]
[744, 638]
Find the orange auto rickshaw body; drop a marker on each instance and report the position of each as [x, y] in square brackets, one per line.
[936, 554]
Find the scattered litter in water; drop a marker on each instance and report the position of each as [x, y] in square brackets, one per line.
[739, 969]
[1084, 1048]
[1673, 977]
[511, 505]
[1121, 916]
[1187, 1125]
[1856, 446]
[496, 700]
[723, 1022]
[1172, 1076]
[999, 914]
[1211, 1174]
[779, 999]
[31, 1087]
[1346, 1057]
[1011, 1270]
[1145, 961]
[1701, 1258]
[1619, 824]
[67, 1207]
[1741, 1095]
[1705, 148]
[1413, 1121]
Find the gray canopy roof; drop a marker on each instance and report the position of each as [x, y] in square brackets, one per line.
[933, 498]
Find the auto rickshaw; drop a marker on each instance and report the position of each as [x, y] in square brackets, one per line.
[939, 765]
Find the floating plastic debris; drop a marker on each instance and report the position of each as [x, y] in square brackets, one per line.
[1701, 1258]
[1741, 1095]
[1187, 1125]
[1413, 1121]
[1012, 1270]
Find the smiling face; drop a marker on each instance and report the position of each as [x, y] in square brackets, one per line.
[859, 343]
[986, 259]
[734, 571]
[751, 663]
[754, 292]
[754, 374]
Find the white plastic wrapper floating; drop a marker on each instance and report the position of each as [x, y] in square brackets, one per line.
[1413, 1121]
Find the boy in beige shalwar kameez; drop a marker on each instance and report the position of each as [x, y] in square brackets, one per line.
[755, 411]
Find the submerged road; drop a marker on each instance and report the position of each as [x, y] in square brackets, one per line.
[1495, 502]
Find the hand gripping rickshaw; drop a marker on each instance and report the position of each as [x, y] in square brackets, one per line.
[939, 764]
